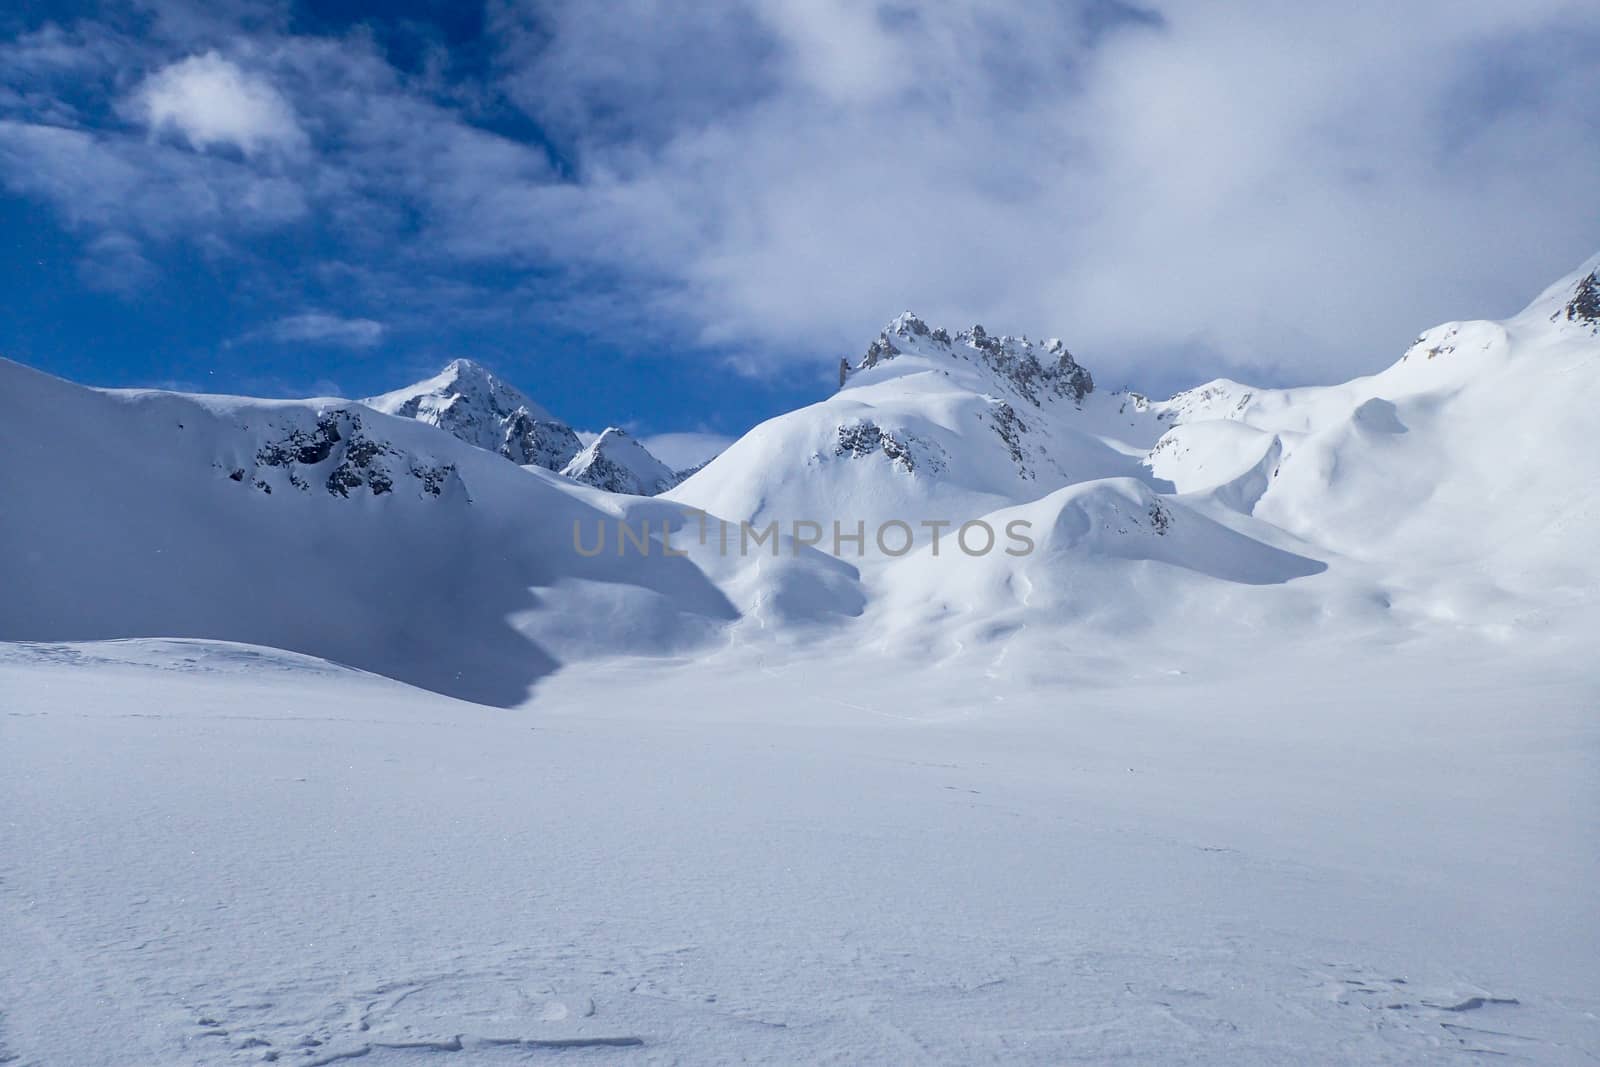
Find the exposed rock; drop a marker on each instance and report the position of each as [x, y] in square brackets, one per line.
[1584, 307]
[337, 451]
[1009, 425]
[1032, 370]
[529, 441]
[867, 438]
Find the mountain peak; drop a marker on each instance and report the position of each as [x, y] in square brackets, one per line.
[617, 463]
[908, 324]
[472, 380]
[462, 367]
[1031, 370]
[467, 400]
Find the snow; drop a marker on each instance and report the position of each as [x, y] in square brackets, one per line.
[321, 738]
[216, 854]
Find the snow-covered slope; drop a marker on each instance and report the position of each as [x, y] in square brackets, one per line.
[616, 462]
[324, 527]
[467, 401]
[1465, 469]
[1110, 555]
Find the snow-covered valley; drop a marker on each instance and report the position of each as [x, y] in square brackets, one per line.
[220, 854]
[323, 735]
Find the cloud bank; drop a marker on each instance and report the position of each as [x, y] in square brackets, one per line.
[1178, 190]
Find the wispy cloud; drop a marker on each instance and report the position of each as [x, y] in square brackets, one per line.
[101, 182]
[320, 328]
[114, 262]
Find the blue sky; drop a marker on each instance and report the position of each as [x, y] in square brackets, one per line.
[679, 217]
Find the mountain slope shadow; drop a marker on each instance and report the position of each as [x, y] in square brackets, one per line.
[317, 527]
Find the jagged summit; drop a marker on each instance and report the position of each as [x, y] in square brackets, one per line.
[467, 400]
[1032, 369]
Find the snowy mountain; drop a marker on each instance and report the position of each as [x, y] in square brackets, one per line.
[328, 528]
[1454, 489]
[929, 426]
[618, 463]
[467, 401]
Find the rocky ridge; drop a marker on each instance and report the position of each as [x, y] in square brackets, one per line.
[1032, 370]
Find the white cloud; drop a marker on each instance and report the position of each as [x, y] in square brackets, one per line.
[210, 101]
[126, 183]
[1282, 189]
[316, 327]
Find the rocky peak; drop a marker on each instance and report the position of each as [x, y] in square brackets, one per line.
[1034, 371]
[468, 401]
[464, 382]
[907, 324]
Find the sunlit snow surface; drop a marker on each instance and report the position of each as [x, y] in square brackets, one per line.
[216, 853]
